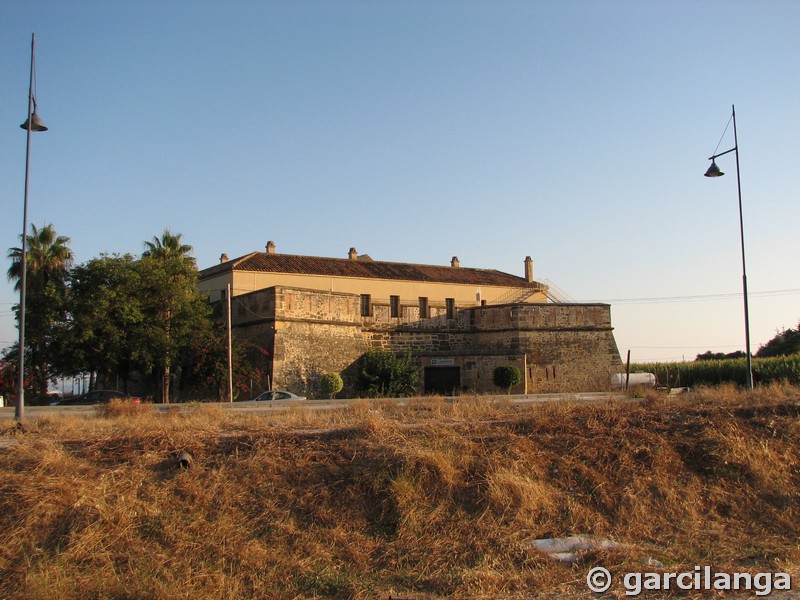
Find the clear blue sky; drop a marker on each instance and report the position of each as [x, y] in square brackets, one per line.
[574, 132]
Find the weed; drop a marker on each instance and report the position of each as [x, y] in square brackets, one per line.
[430, 498]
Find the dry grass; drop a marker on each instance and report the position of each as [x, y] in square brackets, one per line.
[433, 499]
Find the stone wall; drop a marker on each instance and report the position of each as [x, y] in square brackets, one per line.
[305, 332]
[566, 346]
[308, 332]
[477, 370]
[304, 350]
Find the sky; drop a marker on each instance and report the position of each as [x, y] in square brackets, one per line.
[574, 132]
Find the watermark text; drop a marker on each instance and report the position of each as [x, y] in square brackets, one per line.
[600, 579]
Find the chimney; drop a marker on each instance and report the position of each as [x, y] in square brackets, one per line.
[528, 269]
[223, 258]
[454, 262]
[270, 247]
[352, 255]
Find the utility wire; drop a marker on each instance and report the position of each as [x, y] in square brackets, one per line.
[698, 298]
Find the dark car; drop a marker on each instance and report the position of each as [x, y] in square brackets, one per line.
[97, 397]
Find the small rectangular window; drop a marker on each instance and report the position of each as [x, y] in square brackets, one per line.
[423, 307]
[451, 307]
[394, 306]
[366, 305]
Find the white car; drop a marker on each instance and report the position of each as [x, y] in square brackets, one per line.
[278, 395]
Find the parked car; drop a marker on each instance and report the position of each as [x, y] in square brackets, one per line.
[97, 397]
[278, 395]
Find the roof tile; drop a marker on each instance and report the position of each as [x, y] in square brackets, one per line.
[372, 269]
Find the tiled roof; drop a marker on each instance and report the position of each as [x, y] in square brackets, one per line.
[365, 269]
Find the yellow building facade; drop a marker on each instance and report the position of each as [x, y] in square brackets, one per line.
[384, 283]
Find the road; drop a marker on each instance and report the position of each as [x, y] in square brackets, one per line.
[280, 405]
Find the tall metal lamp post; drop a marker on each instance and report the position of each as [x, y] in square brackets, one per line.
[713, 171]
[33, 123]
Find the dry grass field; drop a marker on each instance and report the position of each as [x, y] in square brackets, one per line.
[428, 500]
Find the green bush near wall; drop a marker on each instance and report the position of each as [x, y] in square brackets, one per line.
[331, 384]
[716, 372]
[507, 377]
[384, 373]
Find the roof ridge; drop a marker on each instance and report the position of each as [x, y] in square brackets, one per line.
[268, 262]
[236, 261]
[372, 260]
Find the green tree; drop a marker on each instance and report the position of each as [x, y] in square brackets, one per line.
[48, 259]
[8, 375]
[206, 363]
[384, 373]
[169, 246]
[785, 343]
[709, 355]
[106, 318]
[506, 377]
[176, 312]
[331, 384]
[134, 315]
[174, 256]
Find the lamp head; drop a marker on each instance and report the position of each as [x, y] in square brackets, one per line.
[713, 170]
[36, 123]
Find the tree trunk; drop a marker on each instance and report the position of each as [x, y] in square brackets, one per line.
[165, 381]
[165, 384]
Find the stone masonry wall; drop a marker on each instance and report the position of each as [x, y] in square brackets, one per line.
[315, 332]
[557, 346]
[568, 346]
[303, 351]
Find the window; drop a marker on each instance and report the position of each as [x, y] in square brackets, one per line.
[365, 305]
[394, 306]
[451, 307]
[423, 307]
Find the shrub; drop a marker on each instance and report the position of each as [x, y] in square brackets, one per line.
[331, 384]
[507, 377]
[386, 374]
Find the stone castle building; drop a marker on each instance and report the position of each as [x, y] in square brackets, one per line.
[314, 314]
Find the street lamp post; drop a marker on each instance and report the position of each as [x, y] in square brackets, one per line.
[714, 171]
[33, 123]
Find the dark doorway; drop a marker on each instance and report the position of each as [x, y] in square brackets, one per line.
[442, 380]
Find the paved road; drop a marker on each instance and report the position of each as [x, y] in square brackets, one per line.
[250, 406]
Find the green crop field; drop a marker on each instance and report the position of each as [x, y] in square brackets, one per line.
[716, 372]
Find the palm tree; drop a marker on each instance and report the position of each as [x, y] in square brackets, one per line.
[168, 246]
[47, 264]
[165, 249]
[49, 259]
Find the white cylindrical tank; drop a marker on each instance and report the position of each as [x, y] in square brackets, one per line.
[635, 379]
